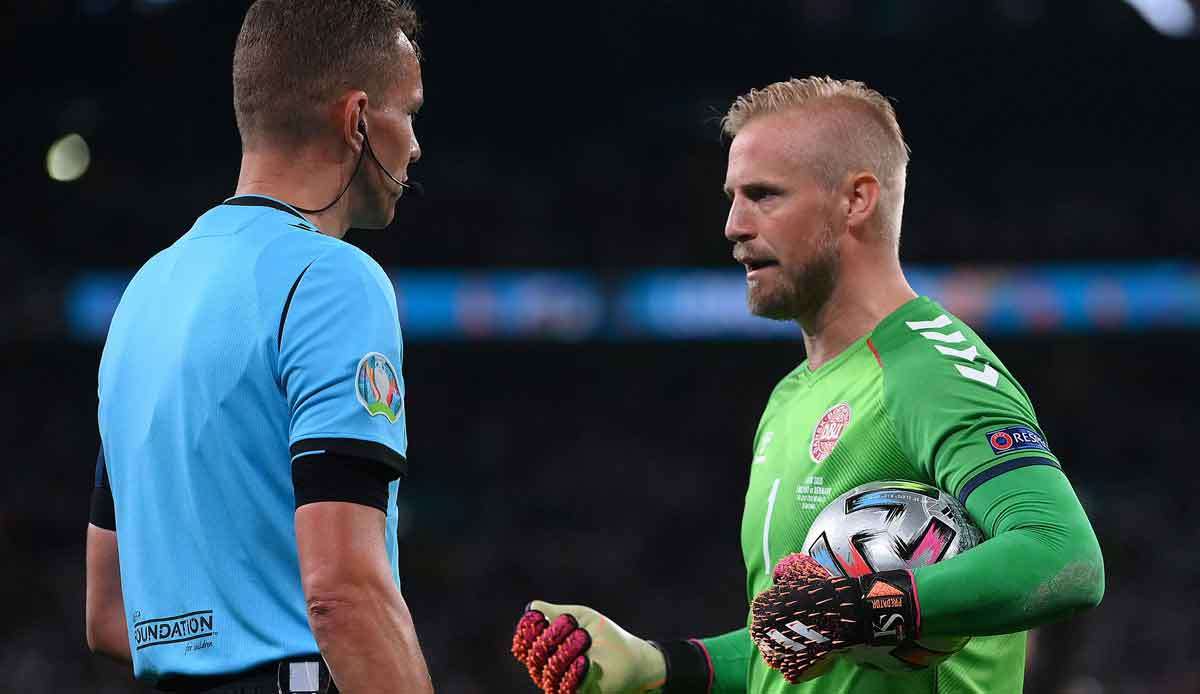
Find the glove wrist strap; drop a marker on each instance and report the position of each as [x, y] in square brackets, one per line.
[890, 610]
[688, 671]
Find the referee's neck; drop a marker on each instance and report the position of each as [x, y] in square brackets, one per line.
[302, 180]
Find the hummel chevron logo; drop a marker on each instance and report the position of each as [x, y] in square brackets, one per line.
[985, 374]
[952, 338]
[939, 322]
[969, 353]
[760, 455]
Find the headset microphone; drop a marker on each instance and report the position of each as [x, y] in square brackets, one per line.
[371, 150]
[362, 128]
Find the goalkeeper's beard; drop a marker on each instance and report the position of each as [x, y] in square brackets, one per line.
[800, 293]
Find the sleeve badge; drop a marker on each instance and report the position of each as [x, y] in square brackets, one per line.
[377, 386]
[1017, 438]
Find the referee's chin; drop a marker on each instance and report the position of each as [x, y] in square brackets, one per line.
[378, 214]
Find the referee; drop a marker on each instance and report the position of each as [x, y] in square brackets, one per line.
[251, 401]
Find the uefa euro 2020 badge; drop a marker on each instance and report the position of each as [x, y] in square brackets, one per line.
[377, 386]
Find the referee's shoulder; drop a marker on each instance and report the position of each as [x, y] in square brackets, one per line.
[347, 263]
[353, 258]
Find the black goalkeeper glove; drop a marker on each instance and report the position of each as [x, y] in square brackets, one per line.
[803, 621]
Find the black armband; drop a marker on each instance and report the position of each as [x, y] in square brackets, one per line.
[688, 669]
[103, 515]
[331, 476]
[360, 449]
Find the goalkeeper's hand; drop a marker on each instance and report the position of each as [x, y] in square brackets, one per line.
[571, 648]
[803, 621]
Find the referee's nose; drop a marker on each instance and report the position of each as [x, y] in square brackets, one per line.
[414, 154]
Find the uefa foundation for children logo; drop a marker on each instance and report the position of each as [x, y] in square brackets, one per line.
[377, 386]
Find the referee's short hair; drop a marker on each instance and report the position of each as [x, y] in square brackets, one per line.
[293, 56]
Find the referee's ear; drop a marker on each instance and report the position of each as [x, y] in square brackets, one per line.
[352, 111]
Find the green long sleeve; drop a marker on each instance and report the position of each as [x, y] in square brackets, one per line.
[730, 656]
[1041, 562]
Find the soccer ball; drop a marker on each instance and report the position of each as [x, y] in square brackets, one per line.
[893, 525]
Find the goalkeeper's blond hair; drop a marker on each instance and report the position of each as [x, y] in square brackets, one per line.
[859, 133]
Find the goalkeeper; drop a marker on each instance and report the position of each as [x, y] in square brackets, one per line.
[894, 387]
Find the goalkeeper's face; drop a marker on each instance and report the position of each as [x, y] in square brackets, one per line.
[781, 219]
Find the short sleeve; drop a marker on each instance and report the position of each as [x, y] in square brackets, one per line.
[959, 415]
[102, 513]
[340, 356]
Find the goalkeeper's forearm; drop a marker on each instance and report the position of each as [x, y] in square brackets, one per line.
[1041, 563]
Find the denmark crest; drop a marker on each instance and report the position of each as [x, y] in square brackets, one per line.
[377, 386]
[828, 431]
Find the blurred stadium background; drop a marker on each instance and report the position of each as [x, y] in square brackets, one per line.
[583, 380]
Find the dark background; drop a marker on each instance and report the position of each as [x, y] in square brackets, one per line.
[584, 136]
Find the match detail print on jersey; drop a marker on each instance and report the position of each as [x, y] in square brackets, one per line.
[828, 431]
[377, 386]
[928, 330]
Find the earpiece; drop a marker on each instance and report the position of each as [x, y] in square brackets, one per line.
[366, 150]
[362, 128]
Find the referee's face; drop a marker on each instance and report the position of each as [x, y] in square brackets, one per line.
[781, 220]
[393, 140]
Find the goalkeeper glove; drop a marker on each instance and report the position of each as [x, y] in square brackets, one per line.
[571, 649]
[800, 623]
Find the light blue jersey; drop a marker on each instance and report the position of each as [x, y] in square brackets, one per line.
[251, 341]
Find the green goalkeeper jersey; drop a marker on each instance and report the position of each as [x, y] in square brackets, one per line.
[919, 398]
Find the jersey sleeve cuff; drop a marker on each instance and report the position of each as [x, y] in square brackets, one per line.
[352, 448]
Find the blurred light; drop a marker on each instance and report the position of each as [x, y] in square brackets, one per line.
[1170, 17]
[696, 304]
[551, 305]
[68, 158]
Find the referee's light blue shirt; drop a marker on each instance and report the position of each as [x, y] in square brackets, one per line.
[252, 340]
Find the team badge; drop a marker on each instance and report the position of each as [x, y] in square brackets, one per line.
[1016, 439]
[377, 386]
[828, 431]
